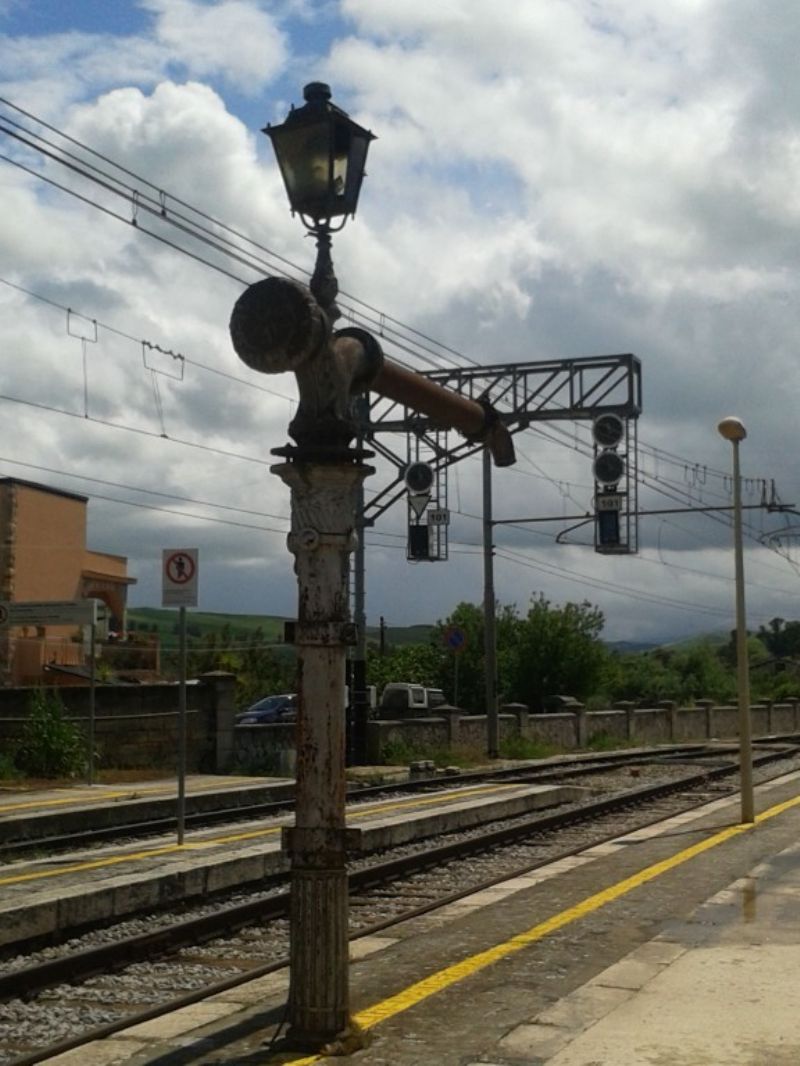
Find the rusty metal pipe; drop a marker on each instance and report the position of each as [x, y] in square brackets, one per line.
[423, 395]
[475, 420]
[277, 326]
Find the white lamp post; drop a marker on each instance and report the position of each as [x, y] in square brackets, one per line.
[732, 429]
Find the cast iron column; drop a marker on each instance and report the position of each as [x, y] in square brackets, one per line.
[323, 499]
[277, 326]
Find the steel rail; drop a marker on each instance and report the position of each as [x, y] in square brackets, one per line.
[12, 849]
[91, 961]
[362, 879]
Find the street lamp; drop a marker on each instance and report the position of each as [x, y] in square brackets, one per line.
[277, 325]
[732, 429]
[322, 154]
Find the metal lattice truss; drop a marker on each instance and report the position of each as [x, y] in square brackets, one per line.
[520, 394]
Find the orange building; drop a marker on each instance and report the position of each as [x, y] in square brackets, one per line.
[43, 556]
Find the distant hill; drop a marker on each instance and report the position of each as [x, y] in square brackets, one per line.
[702, 640]
[164, 623]
[709, 640]
[629, 647]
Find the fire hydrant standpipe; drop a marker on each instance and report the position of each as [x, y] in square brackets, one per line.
[276, 326]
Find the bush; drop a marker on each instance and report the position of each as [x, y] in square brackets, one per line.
[8, 771]
[604, 741]
[50, 746]
[527, 748]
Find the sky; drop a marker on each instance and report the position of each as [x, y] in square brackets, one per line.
[550, 180]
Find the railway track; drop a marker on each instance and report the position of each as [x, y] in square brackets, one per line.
[27, 842]
[140, 977]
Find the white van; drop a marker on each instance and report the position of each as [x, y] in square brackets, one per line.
[405, 698]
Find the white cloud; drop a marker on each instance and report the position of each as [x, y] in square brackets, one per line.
[550, 180]
[234, 39]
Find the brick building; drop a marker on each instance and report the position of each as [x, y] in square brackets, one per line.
[43, 556]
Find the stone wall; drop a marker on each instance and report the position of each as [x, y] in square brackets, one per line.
[578, 728]
[136, 726]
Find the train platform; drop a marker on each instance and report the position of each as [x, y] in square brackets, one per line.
[75, 889]
[674, 945]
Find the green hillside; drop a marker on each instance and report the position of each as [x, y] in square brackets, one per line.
[164, 623]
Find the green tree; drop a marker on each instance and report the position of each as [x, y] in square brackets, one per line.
[420, 663]
[470, 660]
[557, 650]
[781, 639]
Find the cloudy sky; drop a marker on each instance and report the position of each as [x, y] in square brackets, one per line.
[551, 179]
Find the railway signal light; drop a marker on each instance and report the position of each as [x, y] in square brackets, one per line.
[608, 432]
[419, 545]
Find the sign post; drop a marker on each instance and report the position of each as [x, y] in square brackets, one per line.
[92, 685]
[456, 640]
[179, 573]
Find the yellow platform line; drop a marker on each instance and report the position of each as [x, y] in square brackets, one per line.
[451, 975]
[235, 838]
[131, 793]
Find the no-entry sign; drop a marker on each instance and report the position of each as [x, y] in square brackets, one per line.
[179, 570]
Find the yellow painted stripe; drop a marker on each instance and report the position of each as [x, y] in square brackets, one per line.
[76, 798]
[451, 975]
[73, 799]
[235, 838]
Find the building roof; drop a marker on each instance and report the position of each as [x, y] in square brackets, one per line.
[42, 488]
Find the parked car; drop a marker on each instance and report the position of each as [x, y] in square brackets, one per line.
[403, 698]
[270, 709]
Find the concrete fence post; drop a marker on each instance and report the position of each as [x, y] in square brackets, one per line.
[220, 688]
[522, 715]
[452, 716]
[671, 707]
[629, 707]
[581, 727]
[708, 707]
[630, 723]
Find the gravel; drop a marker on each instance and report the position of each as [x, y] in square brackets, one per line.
[64, 1012]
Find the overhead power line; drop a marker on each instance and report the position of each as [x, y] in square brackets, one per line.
[145, 197]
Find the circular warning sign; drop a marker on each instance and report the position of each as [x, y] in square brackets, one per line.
[455, 638]
[179, 568]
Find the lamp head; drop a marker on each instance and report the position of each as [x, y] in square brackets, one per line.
[732, 429]
[322, 153]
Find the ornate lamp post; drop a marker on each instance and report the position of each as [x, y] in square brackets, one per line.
[277, 325]
[732, 429]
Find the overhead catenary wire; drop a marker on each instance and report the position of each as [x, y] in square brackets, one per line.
[157, 204]
[420, 352]
[163, 197]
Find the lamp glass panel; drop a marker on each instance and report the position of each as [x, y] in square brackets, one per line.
[303, 155]
[355, 172]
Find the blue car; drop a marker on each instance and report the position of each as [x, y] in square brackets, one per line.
[269, 710]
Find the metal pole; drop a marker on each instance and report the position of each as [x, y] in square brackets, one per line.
[324, 497]
[742, 664]
[489, 629]
[92, 684]
[358, 695]
[181, 723]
